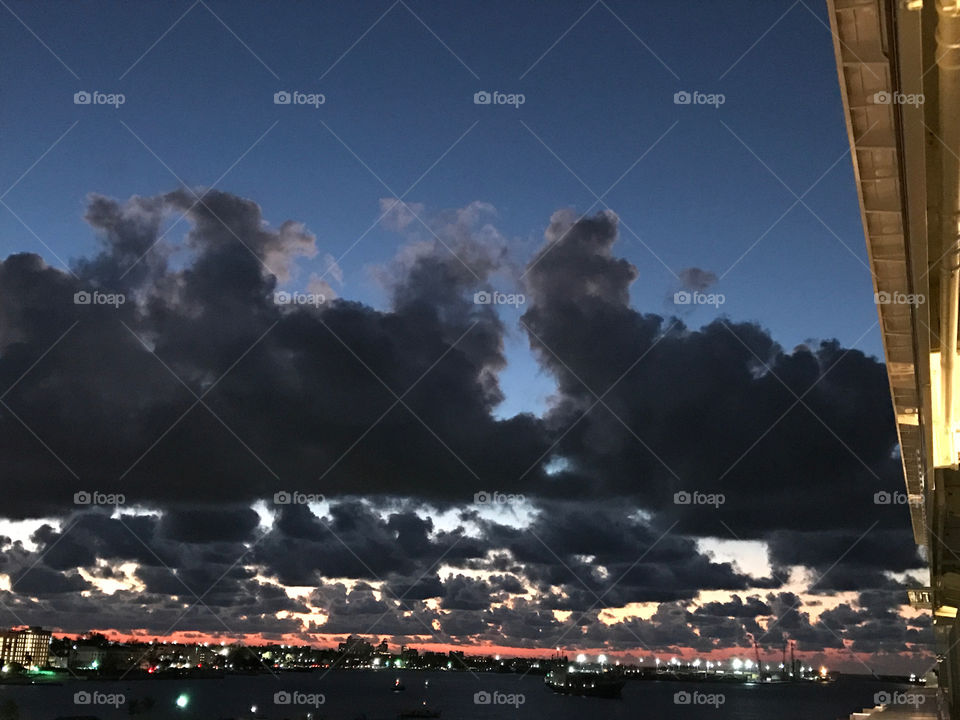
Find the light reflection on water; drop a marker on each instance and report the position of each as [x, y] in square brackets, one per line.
[346, 695]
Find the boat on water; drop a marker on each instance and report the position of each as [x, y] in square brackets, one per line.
[423, 711]
[398, 686]
[589, 683]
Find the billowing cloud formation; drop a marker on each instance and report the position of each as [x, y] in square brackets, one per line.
[649, 408]
[154, 399]
[392, 573]
[200, 394]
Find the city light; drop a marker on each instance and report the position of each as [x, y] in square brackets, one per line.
[581, 658]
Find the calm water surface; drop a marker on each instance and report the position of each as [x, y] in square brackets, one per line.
[351, 694]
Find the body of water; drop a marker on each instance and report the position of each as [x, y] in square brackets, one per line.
[346, 695]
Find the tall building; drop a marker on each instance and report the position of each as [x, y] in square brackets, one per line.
[28, 646]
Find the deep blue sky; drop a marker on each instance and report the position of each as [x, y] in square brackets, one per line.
[399, 99]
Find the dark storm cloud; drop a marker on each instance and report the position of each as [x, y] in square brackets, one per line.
[603, 555]
[713, 410]
[463, 593]
[354, 541]
[736, 607]
[41, 581]
[867, 555]
[86, 536]
[698, 400]
[319, 378]
[874, 624]
[358, 610]
[586, 553]
[288, 396]
[206, 590]
[209, 525]
[420, 588]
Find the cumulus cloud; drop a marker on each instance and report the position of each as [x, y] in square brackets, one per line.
[694, 278]
[199, 396]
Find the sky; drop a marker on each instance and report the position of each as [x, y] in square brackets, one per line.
[509, 475]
